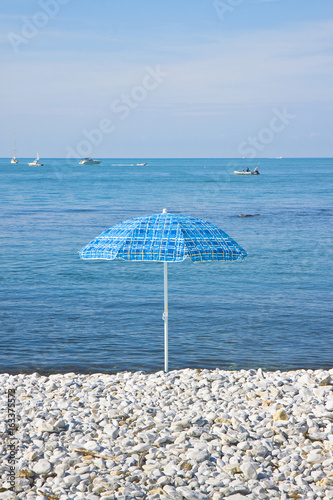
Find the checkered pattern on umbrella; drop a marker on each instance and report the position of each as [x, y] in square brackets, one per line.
[163, 237]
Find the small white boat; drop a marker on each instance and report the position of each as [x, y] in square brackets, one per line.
[14, 159]
[248, 172]
[36, 163]
[89, 161]
[141, 164]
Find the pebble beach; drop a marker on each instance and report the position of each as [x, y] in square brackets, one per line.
[188, 434]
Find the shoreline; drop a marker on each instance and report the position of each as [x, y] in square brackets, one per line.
[188, 434]
[89, 372]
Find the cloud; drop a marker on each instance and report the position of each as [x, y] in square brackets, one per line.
[259, 66]
[279, 65]
[227, 77]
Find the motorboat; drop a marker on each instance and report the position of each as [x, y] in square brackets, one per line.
[14, 159]
[247, 171]
[237, 172]
[141, 164]
[36, 163]
[89, 161]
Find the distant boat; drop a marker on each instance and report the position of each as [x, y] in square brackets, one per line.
[89, 161]
[14, 159]
[255, 172]
[248, 171]
[36, 163]
[141, 164]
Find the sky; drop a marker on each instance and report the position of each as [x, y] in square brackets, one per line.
[176, 78]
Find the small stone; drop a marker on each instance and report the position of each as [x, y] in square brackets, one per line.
[318, 475]
[237, 496]
[198, 456]
[243, 446]
[326, 380]
[45, 427]
[33, 455]
[92, 446]
[315, 458]
[25, 473]
[249, 470]
[71, 479]
[140, 448]
[261, 451]
[329, 405]
[60, 424]
[42, 467]
[170, 490]
[169, 470]
[111, 431]
[280, 414]
[218, 496]
[189, 494]
[8, 495]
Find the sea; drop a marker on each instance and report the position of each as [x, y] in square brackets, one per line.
[272, 310]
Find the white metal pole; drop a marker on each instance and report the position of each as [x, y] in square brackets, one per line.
[165, 317]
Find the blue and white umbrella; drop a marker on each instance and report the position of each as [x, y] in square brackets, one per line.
[164, 237]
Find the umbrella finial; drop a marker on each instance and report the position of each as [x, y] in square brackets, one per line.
[164, 211]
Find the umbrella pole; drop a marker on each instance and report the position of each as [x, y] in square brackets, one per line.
[165, 317]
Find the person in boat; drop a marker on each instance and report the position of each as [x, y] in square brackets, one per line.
[256, 171]
[248, 170]
[243, 170]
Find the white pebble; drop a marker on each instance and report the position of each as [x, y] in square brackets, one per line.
[249, 470]
[42, 467]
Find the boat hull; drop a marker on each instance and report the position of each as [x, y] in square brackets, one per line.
[89, 162]
[245, 173]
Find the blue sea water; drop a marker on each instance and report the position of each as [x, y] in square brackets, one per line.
[272, 310]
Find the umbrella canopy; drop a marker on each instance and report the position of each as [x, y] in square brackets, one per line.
[164, 237]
